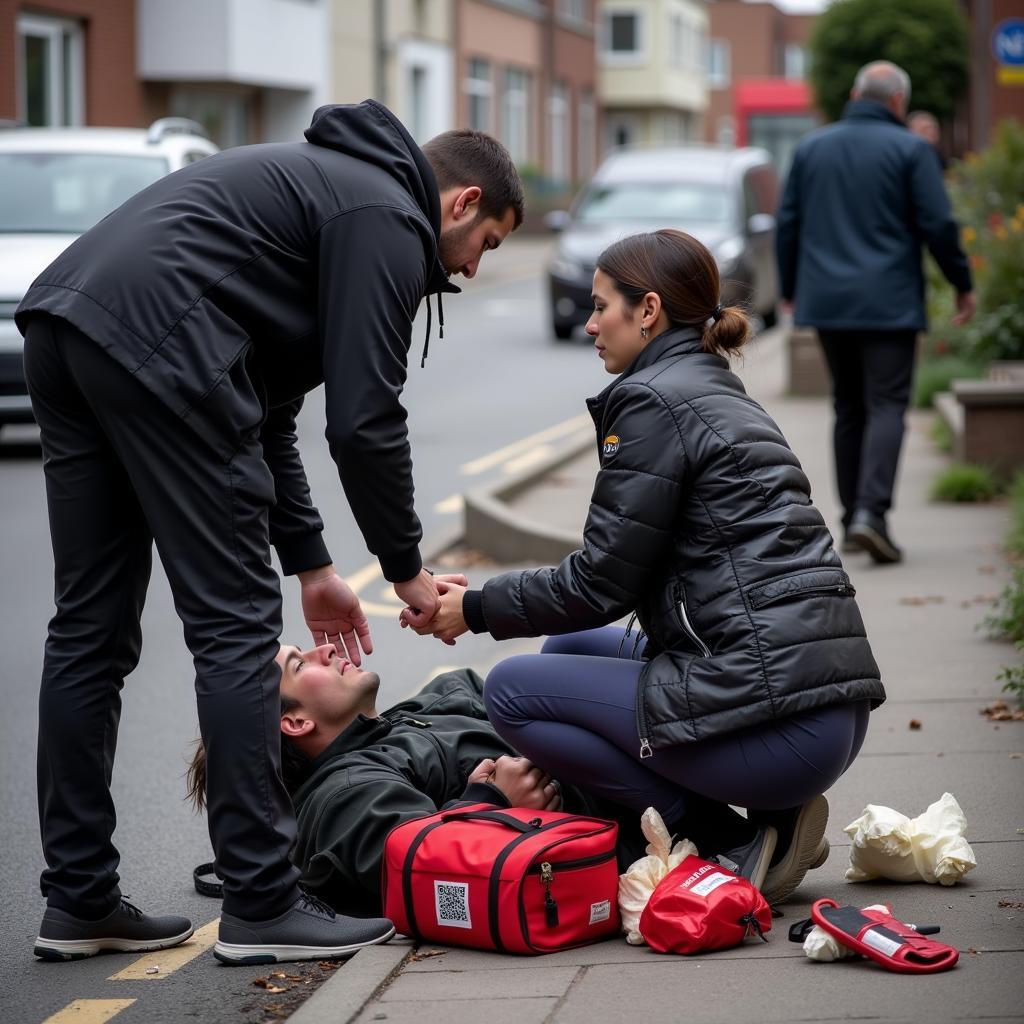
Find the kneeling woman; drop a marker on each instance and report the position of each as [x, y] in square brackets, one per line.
[751, 680]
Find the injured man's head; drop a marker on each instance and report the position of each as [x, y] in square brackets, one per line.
[321, 695]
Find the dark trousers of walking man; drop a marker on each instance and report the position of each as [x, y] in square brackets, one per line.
[871, 372]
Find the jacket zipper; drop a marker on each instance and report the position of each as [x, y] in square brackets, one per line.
[704, 649]
[835, 588]
[641, 720]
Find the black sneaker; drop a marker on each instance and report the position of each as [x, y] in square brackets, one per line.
[803, 846]
[125, 930]
[751, 860]
[868, 531]
[308, 930]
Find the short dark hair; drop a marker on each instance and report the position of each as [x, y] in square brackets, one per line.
[466, 157]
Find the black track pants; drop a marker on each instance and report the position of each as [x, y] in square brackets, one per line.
[122, 471]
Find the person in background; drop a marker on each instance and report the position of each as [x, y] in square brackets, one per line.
[926, 126]
[861, 198]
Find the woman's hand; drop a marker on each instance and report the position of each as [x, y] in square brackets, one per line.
[447, 623]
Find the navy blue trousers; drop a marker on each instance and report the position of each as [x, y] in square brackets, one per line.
[572, 710]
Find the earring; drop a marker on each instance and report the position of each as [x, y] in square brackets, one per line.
[643, 333]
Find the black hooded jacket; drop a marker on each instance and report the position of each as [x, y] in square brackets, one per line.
[701, 520]
[236, 285]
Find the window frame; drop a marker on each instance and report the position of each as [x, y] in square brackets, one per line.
[479, 89]
[620, 58]
[66, 73]
[719, 79]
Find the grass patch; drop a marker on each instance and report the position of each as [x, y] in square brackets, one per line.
[965, 482]
[941, 435]
[935, 374]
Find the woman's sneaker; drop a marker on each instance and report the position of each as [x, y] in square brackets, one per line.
[803, 845]
[751, 860]
[62, 936]
[308, 930]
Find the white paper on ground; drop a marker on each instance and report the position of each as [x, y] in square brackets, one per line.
[819, 945]
[928, 848]
[643, 875]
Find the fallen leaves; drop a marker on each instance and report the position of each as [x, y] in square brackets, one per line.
[930, 599]
[1012, 904]
[425, 954]
[988, 599]
[914, 723]
[272, 985]
[1000, 711]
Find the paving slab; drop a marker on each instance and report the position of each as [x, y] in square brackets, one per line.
[484, 1010]
[712, 989]
[531, 978]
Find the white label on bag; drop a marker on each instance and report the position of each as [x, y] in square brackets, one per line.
[711, 883]
[880, 942]
[600, 911]
[451, 900]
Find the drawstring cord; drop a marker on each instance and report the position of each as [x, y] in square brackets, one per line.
[629, 626]
[440, 322]
[751, 921]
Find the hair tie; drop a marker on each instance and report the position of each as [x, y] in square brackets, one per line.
[716, 314]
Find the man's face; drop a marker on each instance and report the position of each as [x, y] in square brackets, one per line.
[466, 236]
[329, 689]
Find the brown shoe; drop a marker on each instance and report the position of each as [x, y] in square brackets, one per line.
[808, 848]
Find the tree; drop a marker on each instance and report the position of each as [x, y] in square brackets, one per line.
[927, 38]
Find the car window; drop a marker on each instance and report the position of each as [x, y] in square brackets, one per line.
[658, 202]
[193, 156]
[69, 192]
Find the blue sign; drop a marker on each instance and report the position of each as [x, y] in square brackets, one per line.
[1008, 42]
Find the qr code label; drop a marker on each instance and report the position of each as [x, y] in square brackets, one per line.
[451, 900]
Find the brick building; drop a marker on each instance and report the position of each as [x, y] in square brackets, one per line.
[69, 62]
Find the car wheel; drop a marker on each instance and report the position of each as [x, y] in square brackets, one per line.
[563, 332]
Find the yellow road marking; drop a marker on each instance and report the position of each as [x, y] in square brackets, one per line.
[449, 505]
[89, 1011]
[169, 960]
[529, 458]
[513, 449]
[361, 577]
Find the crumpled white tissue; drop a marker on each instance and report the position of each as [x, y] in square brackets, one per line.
[819, 945]
[928, 848]
[643, 875]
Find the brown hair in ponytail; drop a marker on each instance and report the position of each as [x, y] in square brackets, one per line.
[684, 274]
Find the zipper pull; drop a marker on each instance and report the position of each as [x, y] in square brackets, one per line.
[550, 906]
[645, 748]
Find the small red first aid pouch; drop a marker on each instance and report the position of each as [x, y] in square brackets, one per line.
[699, 906]
[516, 880]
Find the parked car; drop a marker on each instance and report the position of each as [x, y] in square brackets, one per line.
[57, 183]
[724, 197]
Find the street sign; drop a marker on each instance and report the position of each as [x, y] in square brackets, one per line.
[1008, 49]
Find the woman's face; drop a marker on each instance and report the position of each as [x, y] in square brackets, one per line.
[614, 328]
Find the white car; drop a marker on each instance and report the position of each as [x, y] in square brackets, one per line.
[55, 184]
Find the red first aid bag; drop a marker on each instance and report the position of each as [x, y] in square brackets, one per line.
[699, 906]
[516, 880]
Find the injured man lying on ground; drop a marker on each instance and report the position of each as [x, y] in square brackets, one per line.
[355, 772]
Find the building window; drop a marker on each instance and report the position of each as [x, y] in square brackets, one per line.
[558, 132]
[516, 114]
[622, 33]
[479, 91]
[574, 10]
[225, 112]
[417, 102]
[794, 61]
[51, 79]
[718, 64]
[682, 43]
[587, 132]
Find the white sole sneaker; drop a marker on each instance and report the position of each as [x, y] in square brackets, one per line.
[79, 949]
[257, 953]
[807, 849]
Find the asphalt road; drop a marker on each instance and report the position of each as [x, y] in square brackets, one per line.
[495, 380]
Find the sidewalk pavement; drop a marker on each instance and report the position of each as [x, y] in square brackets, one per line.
[939, 669]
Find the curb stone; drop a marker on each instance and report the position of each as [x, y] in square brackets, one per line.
[346, 992]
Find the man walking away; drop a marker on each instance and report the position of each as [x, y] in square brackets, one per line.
[862, 196]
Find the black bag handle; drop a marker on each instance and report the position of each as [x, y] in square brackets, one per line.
[204, 888]
[497, 817]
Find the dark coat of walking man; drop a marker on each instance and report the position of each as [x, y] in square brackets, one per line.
[861, 198]
[167, 354]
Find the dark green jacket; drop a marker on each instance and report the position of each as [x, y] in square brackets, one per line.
[410, 762]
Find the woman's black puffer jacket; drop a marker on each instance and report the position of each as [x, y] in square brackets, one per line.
[701, 520]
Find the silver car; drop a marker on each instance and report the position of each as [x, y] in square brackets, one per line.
[724, 197]
[55, 184]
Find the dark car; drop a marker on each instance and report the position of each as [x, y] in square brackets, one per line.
[724, 197]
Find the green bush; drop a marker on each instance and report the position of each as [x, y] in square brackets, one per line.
[965, 482]
[934, 374]
[1013, 676]
[1007, 621]
[941, 435]
[1015, 542]
[927, 38]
